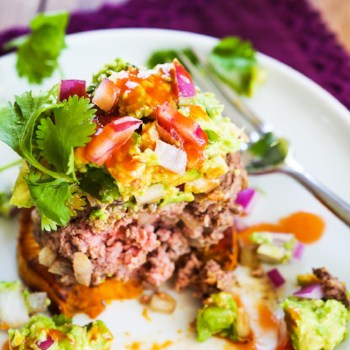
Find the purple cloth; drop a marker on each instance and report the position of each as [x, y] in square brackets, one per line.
[288, 30]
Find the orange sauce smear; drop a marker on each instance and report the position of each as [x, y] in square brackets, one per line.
[307, 227]
[145, 314]
[164, 345]
[93, 300]
[243, 346]
[266, 318]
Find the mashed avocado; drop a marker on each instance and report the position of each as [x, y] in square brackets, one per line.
[217, 317]
[61, 333]
[315, 324]
[221, 316]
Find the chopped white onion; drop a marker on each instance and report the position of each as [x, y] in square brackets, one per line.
[162, 302]
[106, 95]
[60, 267]
[47, 257]
[171, 157]
[151, 195]
[145, 219]
[82, 268]
[13, 310]
[37, 302]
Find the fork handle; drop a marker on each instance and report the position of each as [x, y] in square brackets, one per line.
[339, 207]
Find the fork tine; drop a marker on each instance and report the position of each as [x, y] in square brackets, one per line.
[201, 78]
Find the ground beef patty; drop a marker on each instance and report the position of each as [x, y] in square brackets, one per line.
[147, 244]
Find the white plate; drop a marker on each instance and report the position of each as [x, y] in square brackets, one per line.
[317, 125]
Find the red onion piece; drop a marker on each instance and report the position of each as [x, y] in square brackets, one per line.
[312, 291]
[171, 157]
[72, 87]
[245, 197]
[298, 250]
[106, 95]
[46, 344]
[184, 81]
[276, 278]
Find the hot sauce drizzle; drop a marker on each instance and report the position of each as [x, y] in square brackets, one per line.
[307, 227]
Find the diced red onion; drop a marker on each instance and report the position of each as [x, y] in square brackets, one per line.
[276, 278]
[171, 157]
[106, 95]
[46, 344]
[245, 197]
[72, 87]
[312, 291]
[151, 195]
[298, 250]
[184, 81]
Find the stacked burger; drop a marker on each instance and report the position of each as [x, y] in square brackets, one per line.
[132, 178]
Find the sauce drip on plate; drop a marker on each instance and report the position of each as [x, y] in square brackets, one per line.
[307, 227]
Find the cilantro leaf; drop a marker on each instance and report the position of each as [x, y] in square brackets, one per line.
[38, 52]
[167, 56]
[268, 151]
[50, 197]
[72, 127]
[17, 124]
[234, 61]
[100, 185]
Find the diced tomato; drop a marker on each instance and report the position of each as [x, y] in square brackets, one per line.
[106, 95]
[110, 138]
[184, 83]
[176, 123]
[190, 135]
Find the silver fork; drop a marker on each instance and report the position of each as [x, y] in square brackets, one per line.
[258, 130]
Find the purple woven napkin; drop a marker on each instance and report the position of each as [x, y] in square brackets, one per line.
[288, 30]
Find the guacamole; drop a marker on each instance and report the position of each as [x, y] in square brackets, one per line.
[221, 316]
[274, 248]
[59, 333]
[314, 324]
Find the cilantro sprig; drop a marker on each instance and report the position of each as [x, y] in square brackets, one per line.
[44, 132]
[38, 52]
[233, 60]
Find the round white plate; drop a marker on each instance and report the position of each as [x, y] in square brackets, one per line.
[316, 124]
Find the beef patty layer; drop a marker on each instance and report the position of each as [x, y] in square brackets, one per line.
[152, 244]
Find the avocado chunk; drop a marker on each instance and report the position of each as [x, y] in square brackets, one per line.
[273, 247]
[221, 316]
[60, 333]
[315, 324]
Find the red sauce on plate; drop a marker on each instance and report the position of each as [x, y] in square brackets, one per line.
[307, 227]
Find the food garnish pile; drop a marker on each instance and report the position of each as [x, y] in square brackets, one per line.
[137, 178]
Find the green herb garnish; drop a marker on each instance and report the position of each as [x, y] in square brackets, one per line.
[38, 52]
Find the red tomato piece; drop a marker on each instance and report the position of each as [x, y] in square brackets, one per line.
[185, 131]
[176, 123]
[110, 138]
